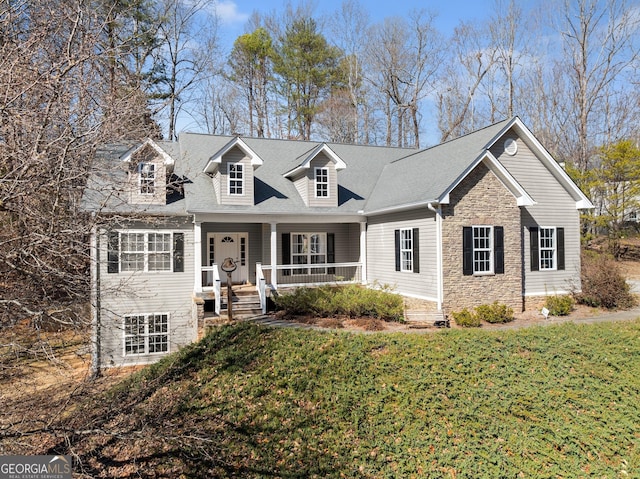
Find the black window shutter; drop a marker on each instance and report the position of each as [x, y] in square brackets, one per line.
[533, 248]
[498, 250]
[467, 250]
[331, 251]
[397, 247]
[560, 239]
[113, 257]
[286, 252]
[416, 251]
[178, 252]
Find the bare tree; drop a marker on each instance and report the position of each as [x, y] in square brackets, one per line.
[427, 54]
[472, 57]
[599, 45]
[348, 27]
[387, 58]
[52, 116]
[509, 36]
[187, 39]
[403, 58]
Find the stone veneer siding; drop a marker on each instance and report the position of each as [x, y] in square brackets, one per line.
[481, 199]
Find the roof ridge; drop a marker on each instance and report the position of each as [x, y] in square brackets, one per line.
[312, 142]
[447, 142]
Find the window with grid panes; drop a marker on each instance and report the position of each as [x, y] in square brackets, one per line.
[547, 248]
[482, 249]
[146, 334]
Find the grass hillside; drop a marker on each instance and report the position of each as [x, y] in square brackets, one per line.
[250, 401]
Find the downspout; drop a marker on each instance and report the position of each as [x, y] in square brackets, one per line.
[439, 273]
[95, 303]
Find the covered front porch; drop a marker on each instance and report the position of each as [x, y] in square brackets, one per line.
[278, 254]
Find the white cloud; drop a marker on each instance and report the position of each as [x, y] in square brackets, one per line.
[227, 12]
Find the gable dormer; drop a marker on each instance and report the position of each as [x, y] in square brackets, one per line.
[149, 168]
[316, 177]
[232, 171]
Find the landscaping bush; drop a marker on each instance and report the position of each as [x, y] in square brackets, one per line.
[351, 300]
[559, 305]
[603, 285]
[495, 313]
[299, 302]
[466, 318]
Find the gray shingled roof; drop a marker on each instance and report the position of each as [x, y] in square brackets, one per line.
[105, 193]
[376, 178]
[428, 174]
[273, 192]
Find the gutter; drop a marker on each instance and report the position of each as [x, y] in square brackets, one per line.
[409, 206]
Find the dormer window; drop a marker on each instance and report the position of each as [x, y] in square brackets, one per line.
[322, 182]
[147, 178]
[236, 179]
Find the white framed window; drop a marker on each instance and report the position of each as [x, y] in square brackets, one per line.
[483, 250]
[132, 251]
[322, 182]
[146, 334]
[159, 251]
[141, 251]
[406, 250]
[236, 178]
[146, 178]
[309, 248]
[547, 248]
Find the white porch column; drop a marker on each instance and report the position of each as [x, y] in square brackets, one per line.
[197, 256]
[363, 251]
[274, 256]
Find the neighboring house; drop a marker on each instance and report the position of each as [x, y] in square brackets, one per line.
[486, 217]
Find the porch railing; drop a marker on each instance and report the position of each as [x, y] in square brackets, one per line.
[211, 283]
[313, 274]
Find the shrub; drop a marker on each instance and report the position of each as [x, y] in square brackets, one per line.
[559, 305]
[466, 318]
[603, 285]
[495, 313]
[351, 300]
[299, 302]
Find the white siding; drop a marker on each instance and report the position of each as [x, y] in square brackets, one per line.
[305, 183]
[322, 161]
[236, 155]
[143, 293]
[554, 207]
[159, 196]
[381, 253]
[216, 185]
[302, 186]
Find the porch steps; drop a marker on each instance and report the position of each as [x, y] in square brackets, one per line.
[422, 318]
[246, 303]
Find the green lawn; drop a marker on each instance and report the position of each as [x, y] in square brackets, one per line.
[248, 401]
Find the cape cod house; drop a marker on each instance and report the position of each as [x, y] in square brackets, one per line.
[488, 216]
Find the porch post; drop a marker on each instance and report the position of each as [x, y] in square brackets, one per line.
[197, 256]
[363, 251]
[274, 256]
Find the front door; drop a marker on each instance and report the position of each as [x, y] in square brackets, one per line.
[229, 245]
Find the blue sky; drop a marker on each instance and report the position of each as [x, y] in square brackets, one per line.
[234, 14]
